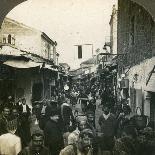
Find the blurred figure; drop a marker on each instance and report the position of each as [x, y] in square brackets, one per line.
[83, 100]
[91, 105]
[127, 144]
[74, 136]
[67, 115]
[4, 118]
[83, 146]
[10, 144]
[42, 117]
[53, 132]
[16, 121]
[124, 119]
[107, 122]
[146, 141]
[36, 147]
[91, 121]
[24, 114]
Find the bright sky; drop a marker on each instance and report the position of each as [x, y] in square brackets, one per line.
[68, 22]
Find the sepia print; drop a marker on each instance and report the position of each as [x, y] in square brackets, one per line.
[77, 77]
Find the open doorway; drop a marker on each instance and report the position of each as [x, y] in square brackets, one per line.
[37, 92]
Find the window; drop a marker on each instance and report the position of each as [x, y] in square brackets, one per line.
[4, 40]
[9, 38]
[79, 52]
[13, 41]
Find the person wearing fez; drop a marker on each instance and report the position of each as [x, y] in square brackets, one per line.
[52, 131]
[36, 147]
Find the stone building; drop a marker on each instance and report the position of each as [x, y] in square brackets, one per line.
[31, 57]
[136, 43]
[113, 30]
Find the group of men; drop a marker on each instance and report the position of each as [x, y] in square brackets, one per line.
[63, 130]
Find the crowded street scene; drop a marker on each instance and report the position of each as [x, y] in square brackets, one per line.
[77, 77]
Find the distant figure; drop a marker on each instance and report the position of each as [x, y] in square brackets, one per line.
[67, 115]
[83, 100]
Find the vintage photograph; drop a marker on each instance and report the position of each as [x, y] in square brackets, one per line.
[77, 77]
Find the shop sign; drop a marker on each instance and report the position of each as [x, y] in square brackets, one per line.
[124, 83]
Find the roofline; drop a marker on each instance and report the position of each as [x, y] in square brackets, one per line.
[31, 28]
[21, 24]
[47, 38]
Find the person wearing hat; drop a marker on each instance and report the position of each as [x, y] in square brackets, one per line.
[83, 146]
[52, 131]
[36, 147]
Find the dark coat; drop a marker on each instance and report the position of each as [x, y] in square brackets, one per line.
[24, 129]
[20, 109]
[108, 127]
[3, 125]
[30, 151]
[53, 137]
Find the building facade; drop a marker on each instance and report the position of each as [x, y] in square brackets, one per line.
[32, 58]
[136, 43]
[28, 39]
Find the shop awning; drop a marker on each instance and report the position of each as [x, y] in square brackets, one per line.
[151, 83]
[21, 64]
[50, 68]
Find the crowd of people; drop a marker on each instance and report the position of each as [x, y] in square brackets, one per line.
[60, 128]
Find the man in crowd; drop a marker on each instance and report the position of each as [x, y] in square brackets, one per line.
[52, 131]
[24, 112]
[67, 115]
[42, 115]
[4, 119]
[74, 136]
[16, 121]
[10, 144]
[83, 100]
[91, 121]
[107, 122]
[36, 147]
[83, 146]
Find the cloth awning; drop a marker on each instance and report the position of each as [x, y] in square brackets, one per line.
[151, 83]
[50, 68]
[22, 64]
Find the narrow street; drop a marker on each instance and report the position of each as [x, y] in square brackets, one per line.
[77, 77]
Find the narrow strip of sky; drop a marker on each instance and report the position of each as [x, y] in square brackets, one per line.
[69, 22]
